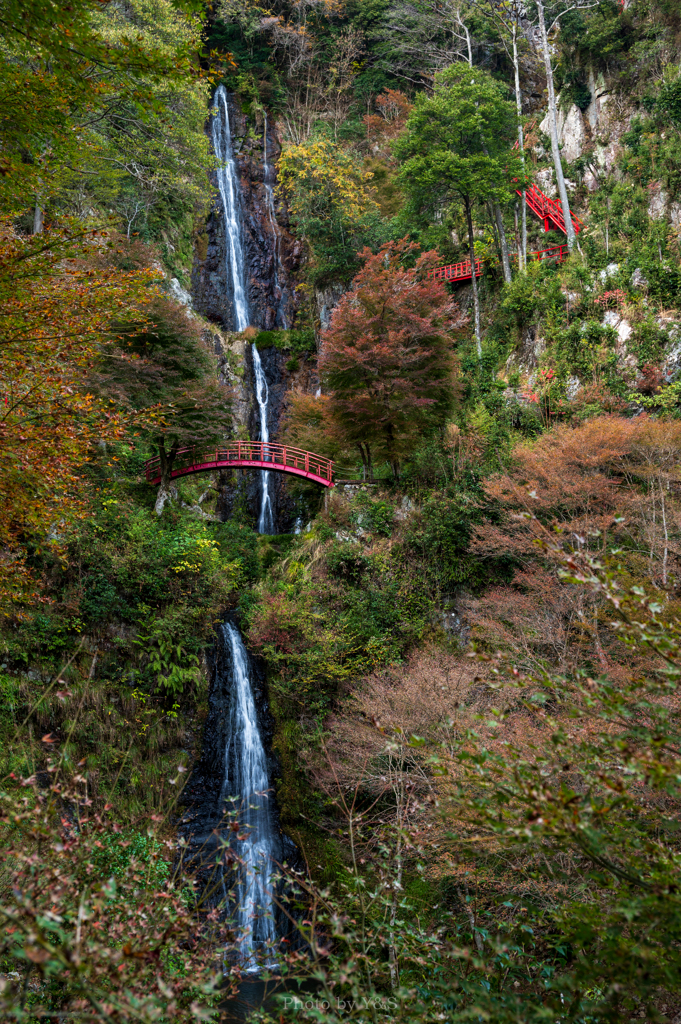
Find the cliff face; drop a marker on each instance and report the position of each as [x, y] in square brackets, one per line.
[272, 255]
[272, 259]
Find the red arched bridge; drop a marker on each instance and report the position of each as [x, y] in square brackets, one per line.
[280, 458]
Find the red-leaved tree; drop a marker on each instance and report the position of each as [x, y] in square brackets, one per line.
[387, 357]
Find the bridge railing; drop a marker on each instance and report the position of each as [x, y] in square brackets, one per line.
[555, 252]
[457, 271]
[462, 271]
[260, 454]
[543, 206]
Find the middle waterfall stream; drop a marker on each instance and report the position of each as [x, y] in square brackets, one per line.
[266, 517]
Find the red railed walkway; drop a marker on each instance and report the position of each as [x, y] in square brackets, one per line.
[279, 458]
[462, 271]
[548, 210]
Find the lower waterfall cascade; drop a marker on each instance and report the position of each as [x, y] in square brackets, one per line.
[246, 786]
[231, 837]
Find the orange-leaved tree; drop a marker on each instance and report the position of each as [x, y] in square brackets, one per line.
[58, 295]
[387, 359]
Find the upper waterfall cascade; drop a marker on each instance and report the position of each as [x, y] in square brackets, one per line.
[227, 184]
[246, 783]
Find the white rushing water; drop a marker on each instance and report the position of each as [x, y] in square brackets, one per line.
[246, 782]
[262, 394]
[227, 183]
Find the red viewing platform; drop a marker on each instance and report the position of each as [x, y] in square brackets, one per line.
[548, 210]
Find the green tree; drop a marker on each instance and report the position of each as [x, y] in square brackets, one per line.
[456, 147]
[101, 107]
[161, 367]
[330, 199]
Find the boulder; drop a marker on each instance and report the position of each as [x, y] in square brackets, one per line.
[657, 201]
[546, 183]
[610, 271]
[179, 293]
[572, 134]
[638, 279]
[572, 387]
[623, 328]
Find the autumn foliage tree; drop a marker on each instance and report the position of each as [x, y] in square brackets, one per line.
[101, 107]
[329, 196]
[58, 296]
[606, 486]
[393, 110]
[387, 358]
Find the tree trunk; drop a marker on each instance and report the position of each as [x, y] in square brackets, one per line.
[522, 258]
[166, 490]
[37, 219]
[523, 229]
[396, 885]
[553, 121]
[501, 233]
[503, 243]
[365, 452]
[474, 280]
[392, 458]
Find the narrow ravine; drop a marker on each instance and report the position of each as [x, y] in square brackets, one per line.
[230, 804]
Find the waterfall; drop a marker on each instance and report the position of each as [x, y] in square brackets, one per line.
[234, 255]
[272, 217]
[246, 783]
[227, 183]
[262, 394]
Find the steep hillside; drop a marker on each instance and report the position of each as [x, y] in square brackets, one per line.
[408, 744]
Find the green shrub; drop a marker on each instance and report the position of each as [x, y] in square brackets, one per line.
[296, 341]
[116, 850]
[347, 562]
[374, 516]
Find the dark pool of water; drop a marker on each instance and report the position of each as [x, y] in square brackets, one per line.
[258, 994]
